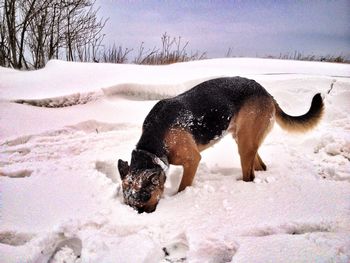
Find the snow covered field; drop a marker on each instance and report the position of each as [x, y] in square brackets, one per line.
[60, 199]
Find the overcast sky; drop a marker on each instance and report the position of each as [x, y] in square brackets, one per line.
[249, 28]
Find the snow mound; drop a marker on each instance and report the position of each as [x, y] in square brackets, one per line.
[149, 92]
[59, 78]
[333, 149]
[134, 91]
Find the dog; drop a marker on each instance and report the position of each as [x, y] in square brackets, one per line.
[177, 129]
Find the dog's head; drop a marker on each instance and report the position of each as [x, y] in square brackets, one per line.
[142, 187]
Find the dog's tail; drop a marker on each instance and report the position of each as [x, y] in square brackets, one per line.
[304, 122]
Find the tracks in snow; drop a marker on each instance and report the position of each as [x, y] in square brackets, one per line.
[20, 157]
[13, 238]
[298, 228]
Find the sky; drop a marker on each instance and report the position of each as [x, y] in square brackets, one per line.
[248, 28]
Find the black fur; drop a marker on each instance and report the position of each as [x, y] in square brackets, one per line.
[145, 161]
[315, 111]
[123, 168]
[205, 111]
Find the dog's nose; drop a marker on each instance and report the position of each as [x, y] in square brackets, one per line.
[146, 209]
[150, 209]
[140, 210]
[144, 196]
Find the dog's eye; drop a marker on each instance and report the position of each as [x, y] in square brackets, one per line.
[155, 180]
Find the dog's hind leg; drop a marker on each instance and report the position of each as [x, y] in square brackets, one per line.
[247, 151]
[259, 165]
[252, 124]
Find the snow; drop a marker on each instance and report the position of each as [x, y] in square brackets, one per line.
[60, 196]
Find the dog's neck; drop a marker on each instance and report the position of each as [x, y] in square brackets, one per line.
[161, 161]
[142, 159]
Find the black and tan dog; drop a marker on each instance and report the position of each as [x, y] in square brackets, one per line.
[177, 129]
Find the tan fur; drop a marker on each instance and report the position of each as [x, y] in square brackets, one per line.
[259, 165]
[184, 151]
[253, 122]
[152, 203]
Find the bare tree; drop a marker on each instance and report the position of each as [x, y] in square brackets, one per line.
[9, 29]
[116, 54]
[4, 50]
[34, 31]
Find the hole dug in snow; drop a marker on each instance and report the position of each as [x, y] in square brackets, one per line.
[109, 169]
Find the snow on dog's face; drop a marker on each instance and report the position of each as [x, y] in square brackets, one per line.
[142, 189]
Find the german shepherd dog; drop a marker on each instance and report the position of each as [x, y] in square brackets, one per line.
[177, 129]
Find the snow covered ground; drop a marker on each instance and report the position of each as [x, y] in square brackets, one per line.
[63, 128]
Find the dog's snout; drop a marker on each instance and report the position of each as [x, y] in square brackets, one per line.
[144, 196]
[140, 210]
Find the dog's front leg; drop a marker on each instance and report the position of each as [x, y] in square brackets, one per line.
[190, 167]
[183, 150]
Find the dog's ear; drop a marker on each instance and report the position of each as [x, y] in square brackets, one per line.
[123, 168]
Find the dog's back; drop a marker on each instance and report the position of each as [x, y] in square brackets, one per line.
[205, 110]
